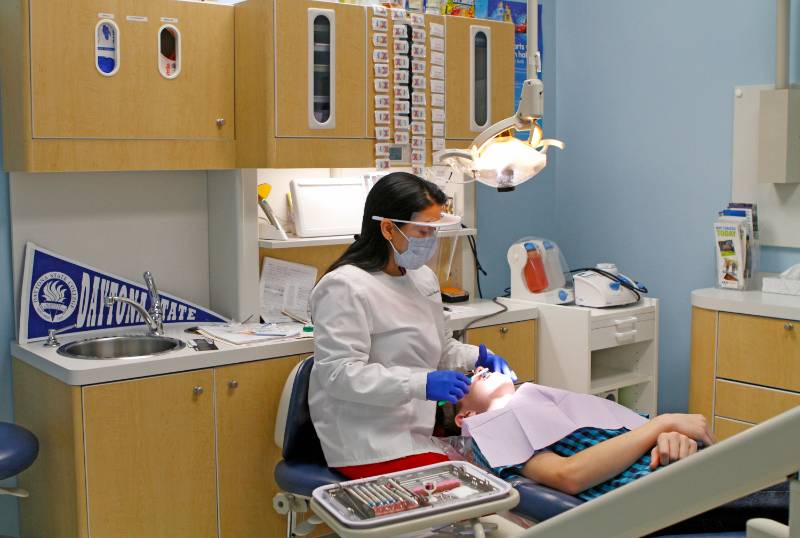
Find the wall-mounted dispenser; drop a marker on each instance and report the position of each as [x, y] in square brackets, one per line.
[480, 68]
[169, 51]
[106, 47]
[322, 63]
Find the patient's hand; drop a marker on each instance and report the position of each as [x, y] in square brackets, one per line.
[693, 426]
[671, 447]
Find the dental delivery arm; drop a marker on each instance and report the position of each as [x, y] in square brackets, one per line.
[342, 346]
[759, 457]
[605, 460]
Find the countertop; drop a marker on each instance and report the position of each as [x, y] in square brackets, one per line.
[754, 303]
[88, 372]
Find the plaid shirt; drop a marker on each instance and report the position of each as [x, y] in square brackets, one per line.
[572, 444]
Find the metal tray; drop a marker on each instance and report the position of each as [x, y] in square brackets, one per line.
[381, 500]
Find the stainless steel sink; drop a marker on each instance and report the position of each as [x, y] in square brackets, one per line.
[120, 347]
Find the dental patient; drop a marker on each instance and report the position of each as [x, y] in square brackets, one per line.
[579, 444]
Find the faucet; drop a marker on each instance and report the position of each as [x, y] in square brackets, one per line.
[154, 318]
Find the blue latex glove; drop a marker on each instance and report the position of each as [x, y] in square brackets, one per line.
[446, 386]
[494, 363]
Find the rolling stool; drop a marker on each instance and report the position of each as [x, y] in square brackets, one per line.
[18, 450]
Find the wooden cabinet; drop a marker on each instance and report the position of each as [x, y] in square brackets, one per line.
[187, 454]
[301, 85]
[321, 66]
[515, 342]
[150, 462]
[247, 398]
[63, 113]
[745, 369]
[479, 75]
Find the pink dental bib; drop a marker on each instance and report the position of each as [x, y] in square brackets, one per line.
[536, 417]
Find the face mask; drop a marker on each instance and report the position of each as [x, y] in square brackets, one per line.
[420, 250]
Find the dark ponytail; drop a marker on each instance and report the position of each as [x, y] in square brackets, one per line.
[396, 196]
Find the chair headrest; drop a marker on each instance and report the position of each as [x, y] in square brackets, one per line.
[300, 441]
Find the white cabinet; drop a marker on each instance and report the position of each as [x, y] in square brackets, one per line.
[596, 351]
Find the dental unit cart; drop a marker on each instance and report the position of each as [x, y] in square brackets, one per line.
[408, 501]
[601, 350]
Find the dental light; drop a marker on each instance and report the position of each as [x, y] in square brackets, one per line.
[496, 157]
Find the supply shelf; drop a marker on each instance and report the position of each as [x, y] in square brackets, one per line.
[296, 242]
[605, 379]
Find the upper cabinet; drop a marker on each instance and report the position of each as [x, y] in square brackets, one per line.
[479, 75]
[104, 85]
[301, 84]
[117, 85]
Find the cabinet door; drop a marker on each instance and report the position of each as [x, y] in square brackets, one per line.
[150, 467]
[321, 63]
[758, 350]
[515, 342]
[479, 75]
[71, 98]
[247, 401]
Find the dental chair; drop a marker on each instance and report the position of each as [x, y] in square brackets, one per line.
[303, 469]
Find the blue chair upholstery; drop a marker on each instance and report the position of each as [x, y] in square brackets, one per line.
[18, 449]
[303, 468]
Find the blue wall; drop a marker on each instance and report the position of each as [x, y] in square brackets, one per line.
[8, 505]
[643, 97]
[530, 210]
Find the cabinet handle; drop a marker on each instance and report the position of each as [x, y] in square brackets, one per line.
[788, 326]
[233, 384]
[198, 391]
[220, 122]
[503, 330]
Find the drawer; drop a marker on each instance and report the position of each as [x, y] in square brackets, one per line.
[725, 428]
[515, 342]
[626, 330]
[763, 351]
[752, 404]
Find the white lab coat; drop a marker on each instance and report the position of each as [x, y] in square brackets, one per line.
[376, 337]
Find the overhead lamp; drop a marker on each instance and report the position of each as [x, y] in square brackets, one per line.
[496, 157]
[499, 159]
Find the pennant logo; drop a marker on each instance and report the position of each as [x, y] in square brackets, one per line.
[54, 297]
[59, 293]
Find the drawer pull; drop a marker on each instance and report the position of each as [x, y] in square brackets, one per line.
[197, 391]
[233, 384]
[503, 330]
[626, 336]
[626, 321]
[788, 326]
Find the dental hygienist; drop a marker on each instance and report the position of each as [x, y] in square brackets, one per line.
[383, 356]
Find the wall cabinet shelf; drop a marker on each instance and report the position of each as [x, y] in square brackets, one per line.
[295, 242]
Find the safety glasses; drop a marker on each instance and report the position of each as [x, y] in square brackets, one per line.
[446, 220]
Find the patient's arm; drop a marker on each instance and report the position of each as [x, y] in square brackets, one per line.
[603, 461]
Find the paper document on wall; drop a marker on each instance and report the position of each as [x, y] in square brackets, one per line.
[285, 286]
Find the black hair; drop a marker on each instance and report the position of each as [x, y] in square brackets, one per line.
[395, 196]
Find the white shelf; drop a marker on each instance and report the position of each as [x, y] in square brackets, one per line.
[605, 379]
[298, 242]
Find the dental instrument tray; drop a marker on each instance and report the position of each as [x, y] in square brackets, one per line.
[417, 493]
